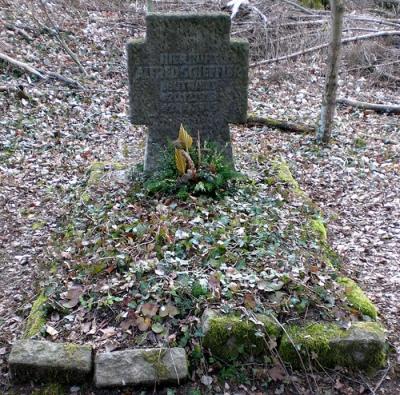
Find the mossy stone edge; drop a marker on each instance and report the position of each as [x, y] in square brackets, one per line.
[98, 170]
[363, 346]
[37, 317]
[230, 337]
[357, 298]
[327, 345]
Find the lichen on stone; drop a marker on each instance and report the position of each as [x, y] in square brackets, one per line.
[357, 298]
[36, 318]
[155, 358]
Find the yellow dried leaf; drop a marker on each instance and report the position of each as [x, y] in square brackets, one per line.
[184, 138]
[180, 161]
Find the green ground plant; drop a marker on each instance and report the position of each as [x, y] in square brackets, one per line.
[189, 170]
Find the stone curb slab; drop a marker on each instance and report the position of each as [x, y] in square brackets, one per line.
[140, 366]
[43, 361]
[363, 346]
[230, 336]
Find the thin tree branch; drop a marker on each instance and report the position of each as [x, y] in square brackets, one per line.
[22, 65]
[19, 31]
[298, 6]
[293, 55]
[39, 73]
[61, 41]
[385, 108]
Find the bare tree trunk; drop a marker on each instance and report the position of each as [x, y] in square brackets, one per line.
[329, 98]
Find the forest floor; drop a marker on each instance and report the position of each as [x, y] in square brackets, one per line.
[49, 138]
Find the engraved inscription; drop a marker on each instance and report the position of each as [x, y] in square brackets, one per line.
[189, 82]
[189, 71]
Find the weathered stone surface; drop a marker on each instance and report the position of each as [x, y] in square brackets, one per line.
[229, 337]
[104, 172]
[187, 71]
[363, 346]
[140, 366]
[43, 361]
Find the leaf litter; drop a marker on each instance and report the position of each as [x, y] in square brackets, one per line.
[49, 142]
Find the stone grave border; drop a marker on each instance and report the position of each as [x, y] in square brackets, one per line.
[363, 346]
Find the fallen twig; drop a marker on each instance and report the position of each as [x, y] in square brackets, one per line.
[383, 33]
[298, 6]
[385, 108]
[5, 88]
[373, 20]
[19, 31]
[379, 383]
[61, 41]
[39, 73]
[22, 65]
[66, 80]
[286, 126]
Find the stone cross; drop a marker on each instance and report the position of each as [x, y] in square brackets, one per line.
[187, 71]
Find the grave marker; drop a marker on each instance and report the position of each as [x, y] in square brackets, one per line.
[187, 71]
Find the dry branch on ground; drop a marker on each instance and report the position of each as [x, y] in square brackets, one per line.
[385, 108]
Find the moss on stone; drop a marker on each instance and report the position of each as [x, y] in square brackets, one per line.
[229, 337]
[283, 173]
[357, 297]
[319, 229]
[328, 345]
[50, 389]
[97, 170]
[301, 342]
[36, 318]
[155, 358]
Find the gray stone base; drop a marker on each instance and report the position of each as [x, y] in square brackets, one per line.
[140, 366]
[43, 361]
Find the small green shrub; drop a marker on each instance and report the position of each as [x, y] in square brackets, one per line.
[192, 171]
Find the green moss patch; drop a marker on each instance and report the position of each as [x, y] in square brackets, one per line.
[98, 169]
[155, 358]
[36, 318]
[363, 346]
[357, 298]
[51, 389]
[229, 337]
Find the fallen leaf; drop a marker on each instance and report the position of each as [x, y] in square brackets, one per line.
[206, 380]
[51, 331]
[249, 301]
[126, 324]
[143, 323]
[168, 310]
[149, 309]
[277, 373]
[157, 328]
[108, 332]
